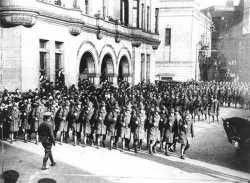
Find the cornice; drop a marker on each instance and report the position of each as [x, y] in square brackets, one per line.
[28, 17]
[15, 17]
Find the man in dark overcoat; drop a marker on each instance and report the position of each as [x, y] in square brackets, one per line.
[46, 136]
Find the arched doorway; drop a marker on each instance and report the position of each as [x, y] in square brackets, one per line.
[87, 67]
[123, 72]
[107, 69]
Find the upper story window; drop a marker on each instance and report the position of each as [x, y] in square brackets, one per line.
[142, 16]
[104, 8]
[44, 55]
[75, 4]
[148, 18]
[156, 20]
[124, 12]
[58, 56]
[136, 13]
[58, 2]
[87, 7]
[167, 37]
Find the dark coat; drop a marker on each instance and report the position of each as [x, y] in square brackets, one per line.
[138, 125]
[153, 130]
[45, 132]
[186, 129]
[100, 126]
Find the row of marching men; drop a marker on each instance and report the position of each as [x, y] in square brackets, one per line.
[83, 122]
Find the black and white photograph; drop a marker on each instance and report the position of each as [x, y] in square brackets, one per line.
[124, 91]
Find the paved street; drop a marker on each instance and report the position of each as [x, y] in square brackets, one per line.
[211, 144]
[211, 159]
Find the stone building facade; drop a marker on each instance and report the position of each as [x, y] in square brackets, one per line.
[232, 38]
[183, 30]
[88, 39]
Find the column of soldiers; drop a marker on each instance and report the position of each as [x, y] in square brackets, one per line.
[161, 113]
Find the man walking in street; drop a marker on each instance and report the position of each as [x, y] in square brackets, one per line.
[46, 136]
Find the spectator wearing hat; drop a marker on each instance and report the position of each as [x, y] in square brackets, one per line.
[14, 120]
[36, 118]
[75, 122]
[46, 137]
[25, 118]
[61, 120]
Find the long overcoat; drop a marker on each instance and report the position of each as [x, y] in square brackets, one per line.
[86, 118]
[139, 132]
[123, 129]
[14, 120]
[100, 126]
[153, 131]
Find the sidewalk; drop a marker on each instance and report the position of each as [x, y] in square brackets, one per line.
[87, 164]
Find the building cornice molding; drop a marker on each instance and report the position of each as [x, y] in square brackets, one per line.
[28, 17]
[16, 17]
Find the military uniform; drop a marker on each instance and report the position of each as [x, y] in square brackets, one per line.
[185, 131]
[112, 118]
[88, 114]
[100, 126]
[46, 137]
[153, 132]
[124, 124]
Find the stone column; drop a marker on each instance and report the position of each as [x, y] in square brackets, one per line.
[115, 78]
[133, 66]
[130, 79]
[97, 80]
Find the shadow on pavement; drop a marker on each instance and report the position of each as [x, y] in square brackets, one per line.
[189, 168]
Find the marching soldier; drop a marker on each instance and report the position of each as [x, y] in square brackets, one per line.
[214, 109]
[46, 136]
[185, 131]
[177, 118]
[162, 124]
[153, 130]
[86, 117]
[168, 133]
[100, 126]
[138, 127]
[112, 118]
[123, 127]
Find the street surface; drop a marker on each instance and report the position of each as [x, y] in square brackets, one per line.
[210, 159]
